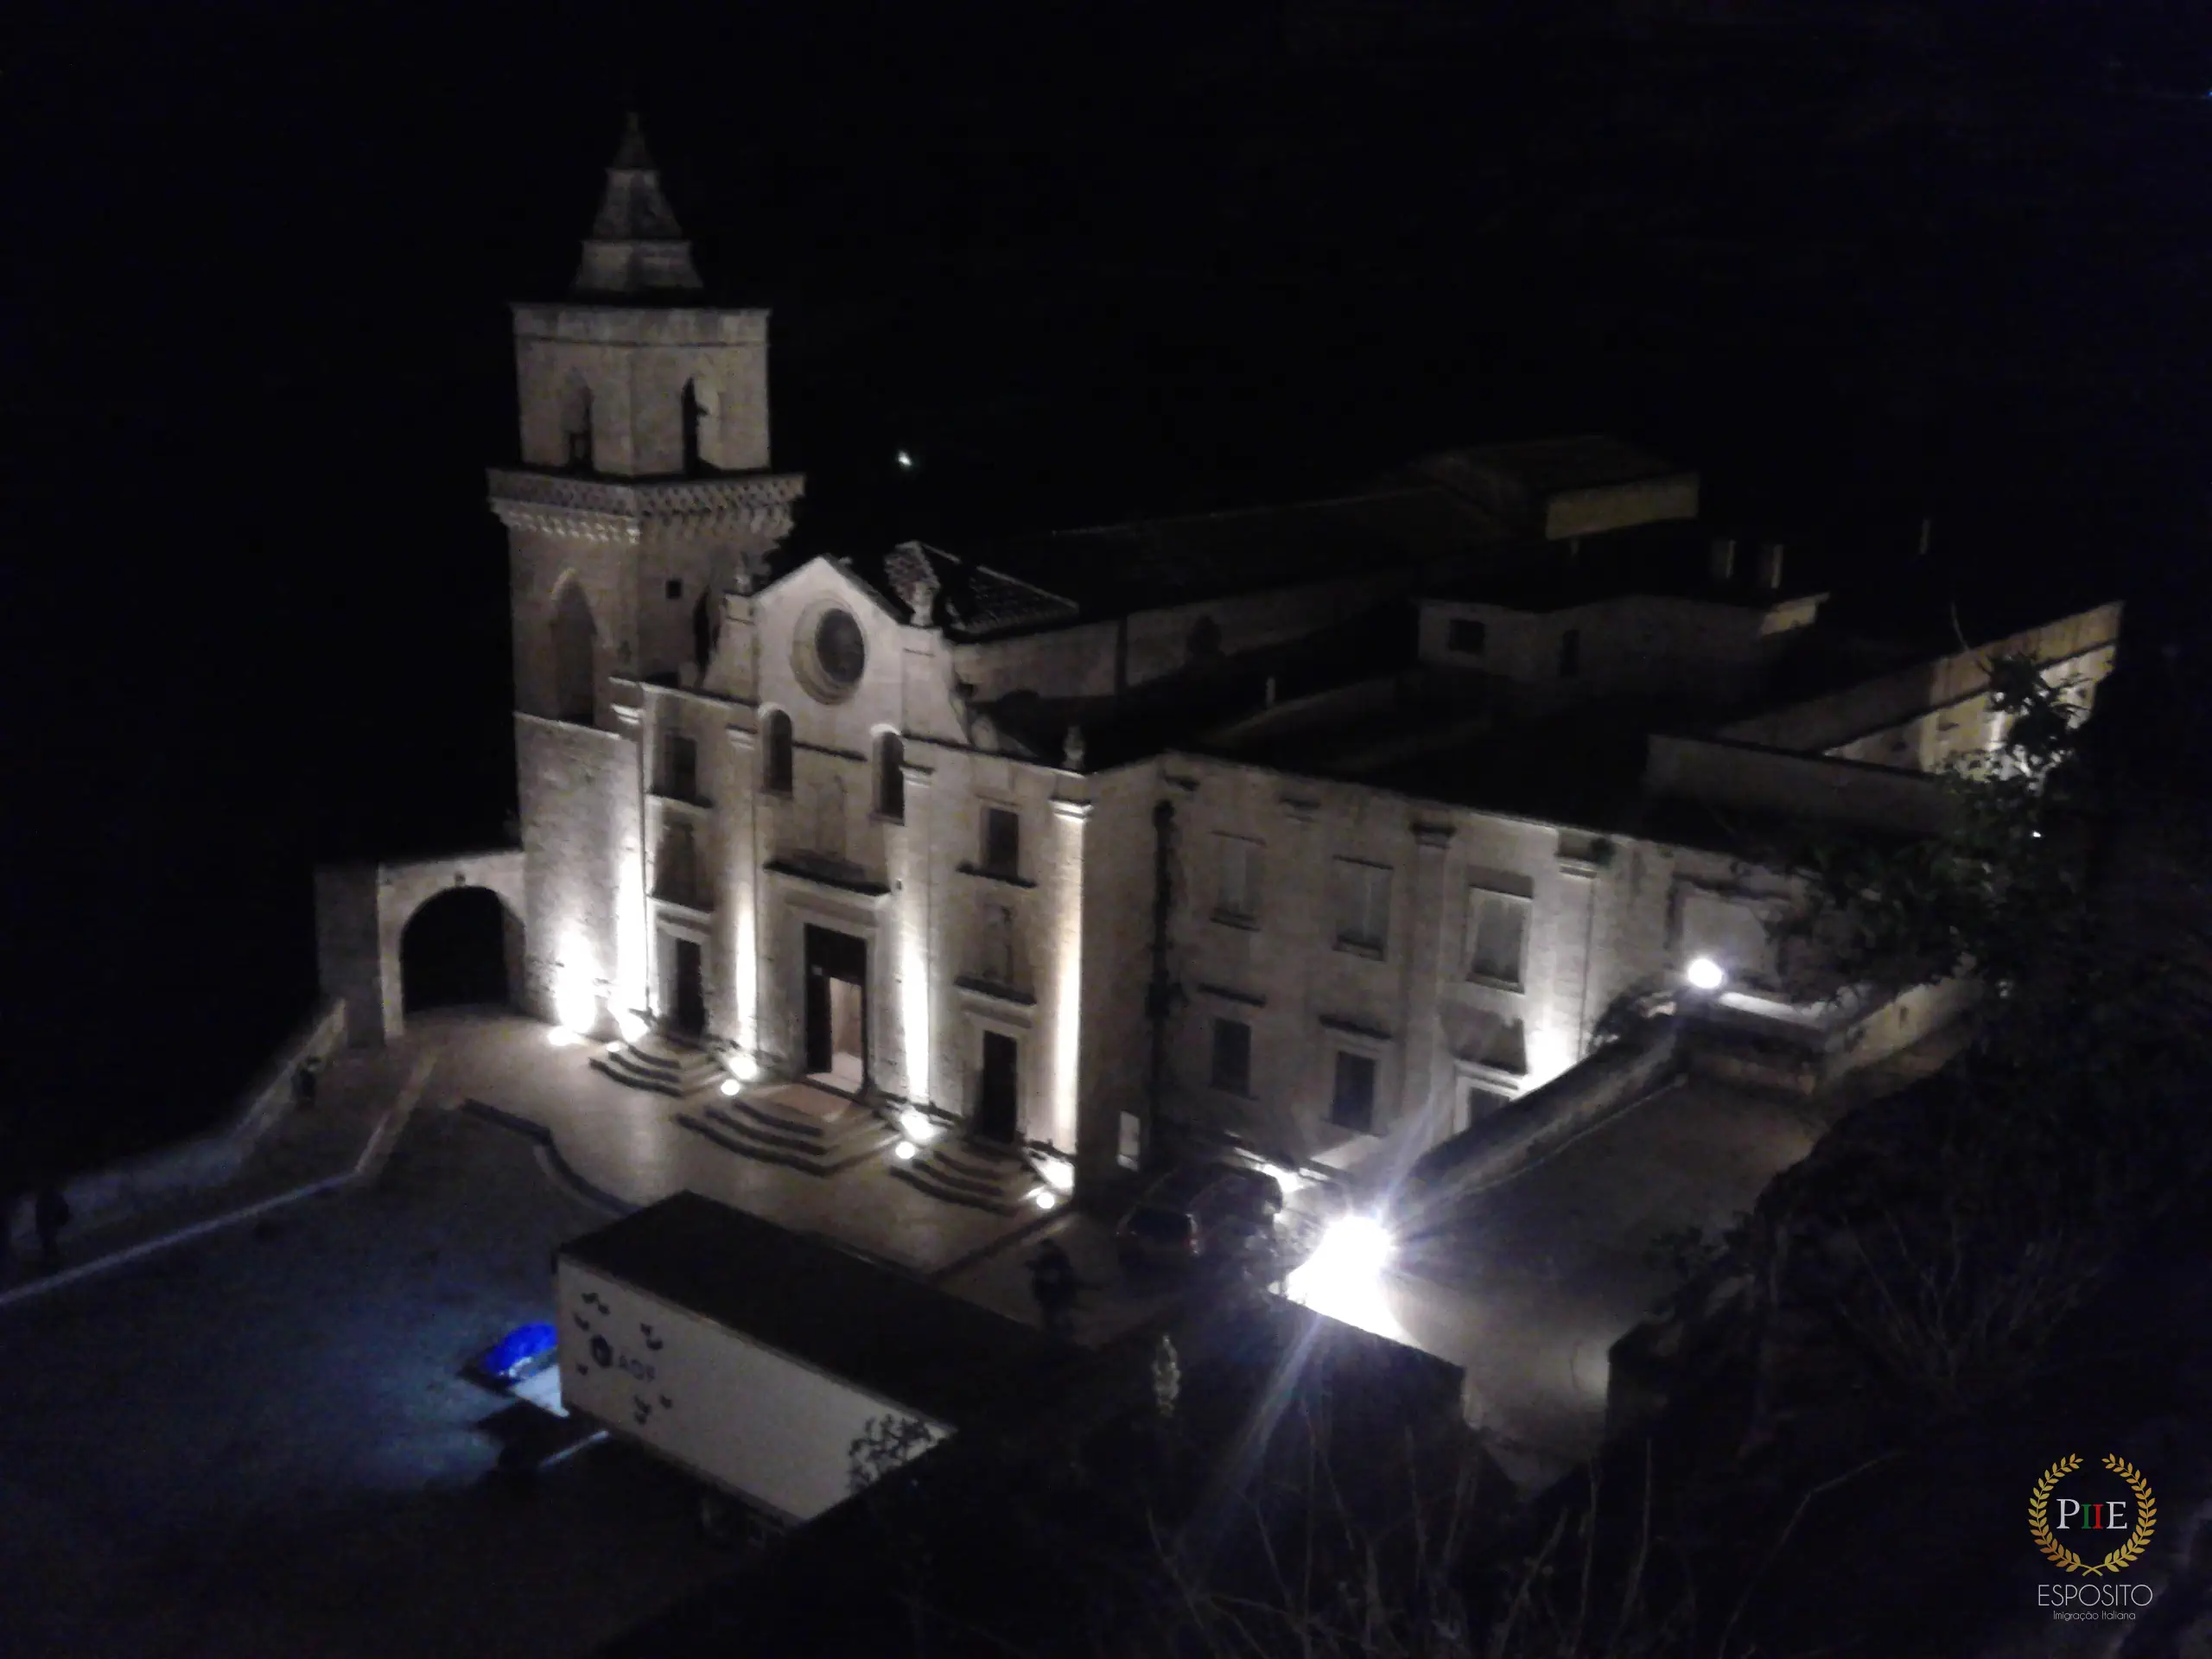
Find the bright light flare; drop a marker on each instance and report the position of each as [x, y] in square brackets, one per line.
[576, 1003]
[917, 1126]
[904, 1151]
[1705, 973]
[1059, 1175]
[1357, 1244]
[1344, 1276]
[561, 1037]
[1046, 1198]
[730, 1086]
[632, 1025]
[744, 1068]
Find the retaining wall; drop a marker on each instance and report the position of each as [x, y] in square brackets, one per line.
[100, 1197]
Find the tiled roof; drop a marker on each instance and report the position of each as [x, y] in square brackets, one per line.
[1546, 465]
[1113, 569]
[970, 601]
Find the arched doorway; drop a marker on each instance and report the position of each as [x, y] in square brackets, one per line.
[455, 950]
[575, 667]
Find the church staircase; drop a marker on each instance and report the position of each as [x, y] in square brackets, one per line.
[663, 1063]
[794, 1124]
[982, 1174]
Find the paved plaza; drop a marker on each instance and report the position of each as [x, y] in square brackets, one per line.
[257, 1441]
[260, 1444]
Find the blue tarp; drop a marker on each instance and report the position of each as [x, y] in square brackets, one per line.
[515, 1354]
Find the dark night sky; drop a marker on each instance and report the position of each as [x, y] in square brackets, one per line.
[1084, 260]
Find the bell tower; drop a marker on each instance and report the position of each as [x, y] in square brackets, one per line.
[641, 510]
[644, 485]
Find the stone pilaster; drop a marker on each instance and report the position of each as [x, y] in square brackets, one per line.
[741, 882]
[913, 973]
[1575, 999]
[1071, 818]
[1426, 968]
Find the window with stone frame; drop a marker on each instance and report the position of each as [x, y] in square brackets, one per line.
[1363, 906]
[1497, 936]
[1351, 1103]
[1482, 1101]
[1231, 1071]
[679, 774]
[891, 777]
[678, 874]
[1465, 636]
[575, 426]
[776, 752]
[1237, 898]
[1002, 849]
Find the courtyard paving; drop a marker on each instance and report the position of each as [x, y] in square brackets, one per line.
[626, 1145]
[1552, 1267]
[261, 1444]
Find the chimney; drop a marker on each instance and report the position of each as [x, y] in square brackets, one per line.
[1769, 567]
[1723, 565]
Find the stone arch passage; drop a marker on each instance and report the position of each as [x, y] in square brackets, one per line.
[363, 932]
[455, 949]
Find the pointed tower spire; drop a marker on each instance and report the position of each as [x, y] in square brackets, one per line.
[636, 247]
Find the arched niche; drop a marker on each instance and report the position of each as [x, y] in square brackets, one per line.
[575, 655]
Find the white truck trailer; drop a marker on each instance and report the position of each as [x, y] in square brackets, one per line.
[755, 1359]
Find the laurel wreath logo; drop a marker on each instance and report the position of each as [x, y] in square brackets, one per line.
[2147, 1517]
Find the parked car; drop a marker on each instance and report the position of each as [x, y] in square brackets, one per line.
[1200, 1212]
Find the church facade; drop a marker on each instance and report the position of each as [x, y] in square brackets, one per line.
[1310, 826]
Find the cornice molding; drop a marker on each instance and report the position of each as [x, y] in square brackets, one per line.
[624, 511]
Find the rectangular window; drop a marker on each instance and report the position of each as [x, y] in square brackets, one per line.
[675, 588]
[679, 866]
[891, 777]
[1232, 1057]
[1481, 1102]
[1363, 906]
[1497, 927]
[681, 776]
[1239, 897]
[1003, 841]
[1466, 636]
[1570, 654]
[1353, 1105]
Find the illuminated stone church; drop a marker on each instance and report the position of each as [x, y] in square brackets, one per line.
[1328, 826]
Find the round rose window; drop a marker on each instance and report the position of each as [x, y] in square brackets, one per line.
[836, 654]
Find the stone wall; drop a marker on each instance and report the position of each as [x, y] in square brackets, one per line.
[1412, 1001]
[1699, 649]
[1516, 1135]
[636, 362]
[1728, 772]
[578, 788]
[100, 1197]
[2078, 647]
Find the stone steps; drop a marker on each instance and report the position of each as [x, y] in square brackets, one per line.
[661, 1064]
[759, 1126]
[976, 1173]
